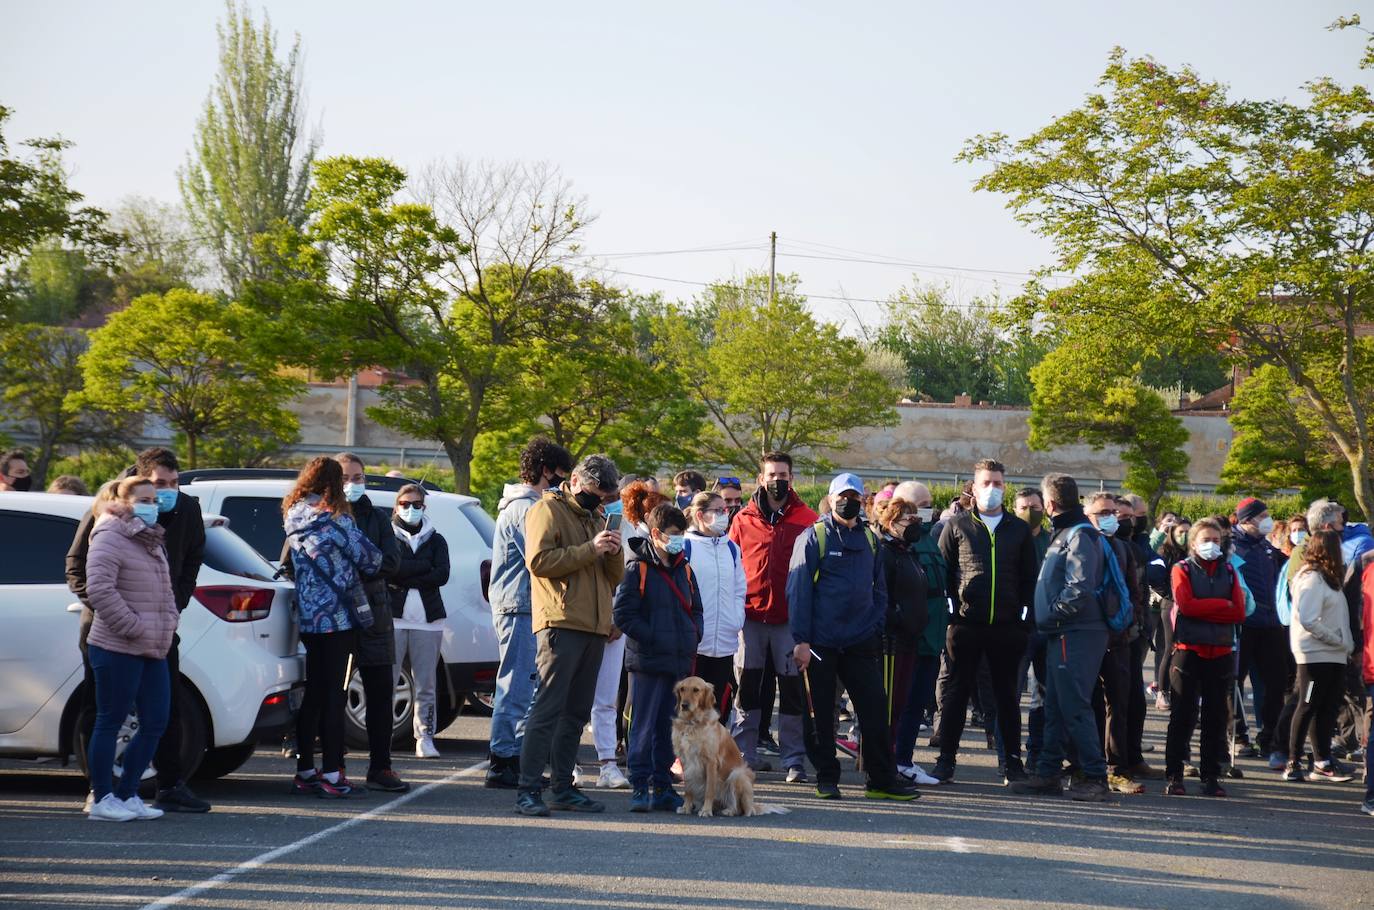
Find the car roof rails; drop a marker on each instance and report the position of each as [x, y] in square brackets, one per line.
[374, 481]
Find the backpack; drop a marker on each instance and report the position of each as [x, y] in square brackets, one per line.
[1113, 581]
[820, 543]
[729, 544]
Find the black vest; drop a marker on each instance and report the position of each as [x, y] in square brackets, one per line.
[1190, 630]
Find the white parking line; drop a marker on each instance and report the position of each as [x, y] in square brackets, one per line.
[270, 856]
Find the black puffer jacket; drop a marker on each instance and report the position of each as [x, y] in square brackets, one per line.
[907, 590]
[425, 569]
[991, 575]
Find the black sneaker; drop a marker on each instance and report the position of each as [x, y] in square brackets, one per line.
[181, 799]
[503, 774]
[574, 800]
[1210, 787]
[1035, 785]
[1174, 787]
[827, 790]
[1014, 771]
[1090, 790]
[943, 770]
[386, 780]
[898, 790]
[1294, 772]
[530, 803]
[768, 746]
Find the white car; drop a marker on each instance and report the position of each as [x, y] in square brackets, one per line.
[251, 499]
[242, 673]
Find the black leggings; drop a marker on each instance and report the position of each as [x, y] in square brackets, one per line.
[719, 672]
[379, 688]
[322, 708]
[1164, 646]
[1320, 690]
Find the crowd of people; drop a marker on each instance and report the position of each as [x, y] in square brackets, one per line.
[873, 609]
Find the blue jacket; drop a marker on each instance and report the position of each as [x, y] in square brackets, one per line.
[1355, 542]
[509, 589]
[1066, 592]
[327, 554]
[840, 600]
[1260, 575]
[661, 636]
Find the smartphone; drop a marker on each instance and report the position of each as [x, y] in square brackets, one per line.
[613, 521]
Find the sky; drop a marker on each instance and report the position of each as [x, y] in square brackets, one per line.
[695, 126]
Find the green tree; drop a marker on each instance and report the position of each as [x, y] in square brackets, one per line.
[40, 372]
[250, 163]
[770, 375]
[1279, 442]
[196, 363]
[1195, 222]
[463, 302]
[159, 250]
[1081, 395]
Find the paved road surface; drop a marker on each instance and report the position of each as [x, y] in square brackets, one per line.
[452, 843]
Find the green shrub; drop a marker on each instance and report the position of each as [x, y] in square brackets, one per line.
[94, 467]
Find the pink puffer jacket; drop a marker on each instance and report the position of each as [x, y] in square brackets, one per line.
[129, 586]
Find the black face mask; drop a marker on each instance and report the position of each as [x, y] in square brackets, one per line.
[914, 531]
[21, 484]
[1125, 528]
[588, 501]
[847, 508]
[556, 481]
[777, 489]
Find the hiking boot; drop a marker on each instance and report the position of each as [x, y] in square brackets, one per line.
[826, 790]
[1144, 771]
[898, 790]
[943, 770]
[1210, 787]
[386, 780]
[796, 775]
[1090, 790]
[180, 799]
[574, 800]
[1293, 772]
[1121, 783]
[1014, 771]
[504, 773]
[529, 802]
[1175, 787]
[640, 801]
[666, 799]
[1332, 771]
[1035, 785]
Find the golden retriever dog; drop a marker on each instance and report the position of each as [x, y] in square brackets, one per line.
[715, 778]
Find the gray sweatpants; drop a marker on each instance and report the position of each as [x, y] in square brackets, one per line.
[757, 642]
[422, 646]
[568, 663]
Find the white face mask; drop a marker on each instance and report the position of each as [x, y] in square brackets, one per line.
[926, 515]
[1297, 537]
[720, 524]
[1209, 551]
[1266, 525]
[989, 498]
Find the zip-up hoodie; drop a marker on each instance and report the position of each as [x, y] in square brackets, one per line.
[509, 590]
[992, 576]
[766, 542]
[719, 575]
[838, 600]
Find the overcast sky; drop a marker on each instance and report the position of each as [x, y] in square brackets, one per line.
[687, 125]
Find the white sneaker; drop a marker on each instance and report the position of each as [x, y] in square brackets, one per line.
[140, 809]
[90, 801]
[917, 775]
[611, 778]
[425, 748]
[111, 809]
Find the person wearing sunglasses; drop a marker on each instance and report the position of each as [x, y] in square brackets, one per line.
[418, 607]
[732, 491]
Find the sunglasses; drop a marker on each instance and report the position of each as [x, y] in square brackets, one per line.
[410, 505]
[728, 482]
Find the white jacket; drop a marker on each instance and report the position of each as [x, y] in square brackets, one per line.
[1320, 633]
[719, 575]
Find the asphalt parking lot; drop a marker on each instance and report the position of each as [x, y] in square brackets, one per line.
[453, 843]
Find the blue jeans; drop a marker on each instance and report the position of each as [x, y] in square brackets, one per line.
[125, 683]
[516, 680]
[650, 751]
[908, 726]
[1073, 661]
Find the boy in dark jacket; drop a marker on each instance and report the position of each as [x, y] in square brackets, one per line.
[837, 597]
[658, 608]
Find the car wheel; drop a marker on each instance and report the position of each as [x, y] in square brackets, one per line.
[225, 761]
[355, 709]
[194, 732]
[480, 703]
[447, 703]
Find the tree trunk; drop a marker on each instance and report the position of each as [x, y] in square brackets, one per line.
[459, 454]
[1362, 481]
[191, 450]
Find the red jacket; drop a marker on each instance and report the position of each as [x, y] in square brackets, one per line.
[1367, 620]
[766, 551]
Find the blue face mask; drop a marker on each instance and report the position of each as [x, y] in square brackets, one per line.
[166, 500]
[146, 511]
[684, 501]
[354, 491]
[1108, 524]
[614, 508]
[675, 544]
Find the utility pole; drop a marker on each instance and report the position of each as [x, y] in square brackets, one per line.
[772, 263]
